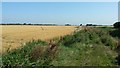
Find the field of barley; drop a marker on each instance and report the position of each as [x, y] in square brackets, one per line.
[13, 36]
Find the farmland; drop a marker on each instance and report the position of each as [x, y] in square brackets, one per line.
[84, 46]
[13, 36]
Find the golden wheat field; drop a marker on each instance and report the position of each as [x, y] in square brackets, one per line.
[13, 36]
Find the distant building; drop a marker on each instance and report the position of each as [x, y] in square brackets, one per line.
[119, 11]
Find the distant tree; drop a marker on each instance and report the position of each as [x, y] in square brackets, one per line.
[24, 23]
[29, 24]
[18, 24]
[88, 24]
[80, 24]
[67, 24]
[116, 25]
[95, 25]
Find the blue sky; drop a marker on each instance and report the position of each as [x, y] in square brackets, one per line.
[59, 0]
[75, 13]
[119, 11]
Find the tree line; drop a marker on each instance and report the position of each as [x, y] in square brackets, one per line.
[116, 24]
[27, 24]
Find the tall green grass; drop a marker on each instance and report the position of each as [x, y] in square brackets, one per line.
[90, 36]
[22, 55]
[88, 47]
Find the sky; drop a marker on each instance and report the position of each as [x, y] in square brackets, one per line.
[119, 11]
[59, 0]
[75, 13]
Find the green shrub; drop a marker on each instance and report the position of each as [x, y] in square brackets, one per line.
[115, 33]
[89, 36]
[34, 53]
[116, 25]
